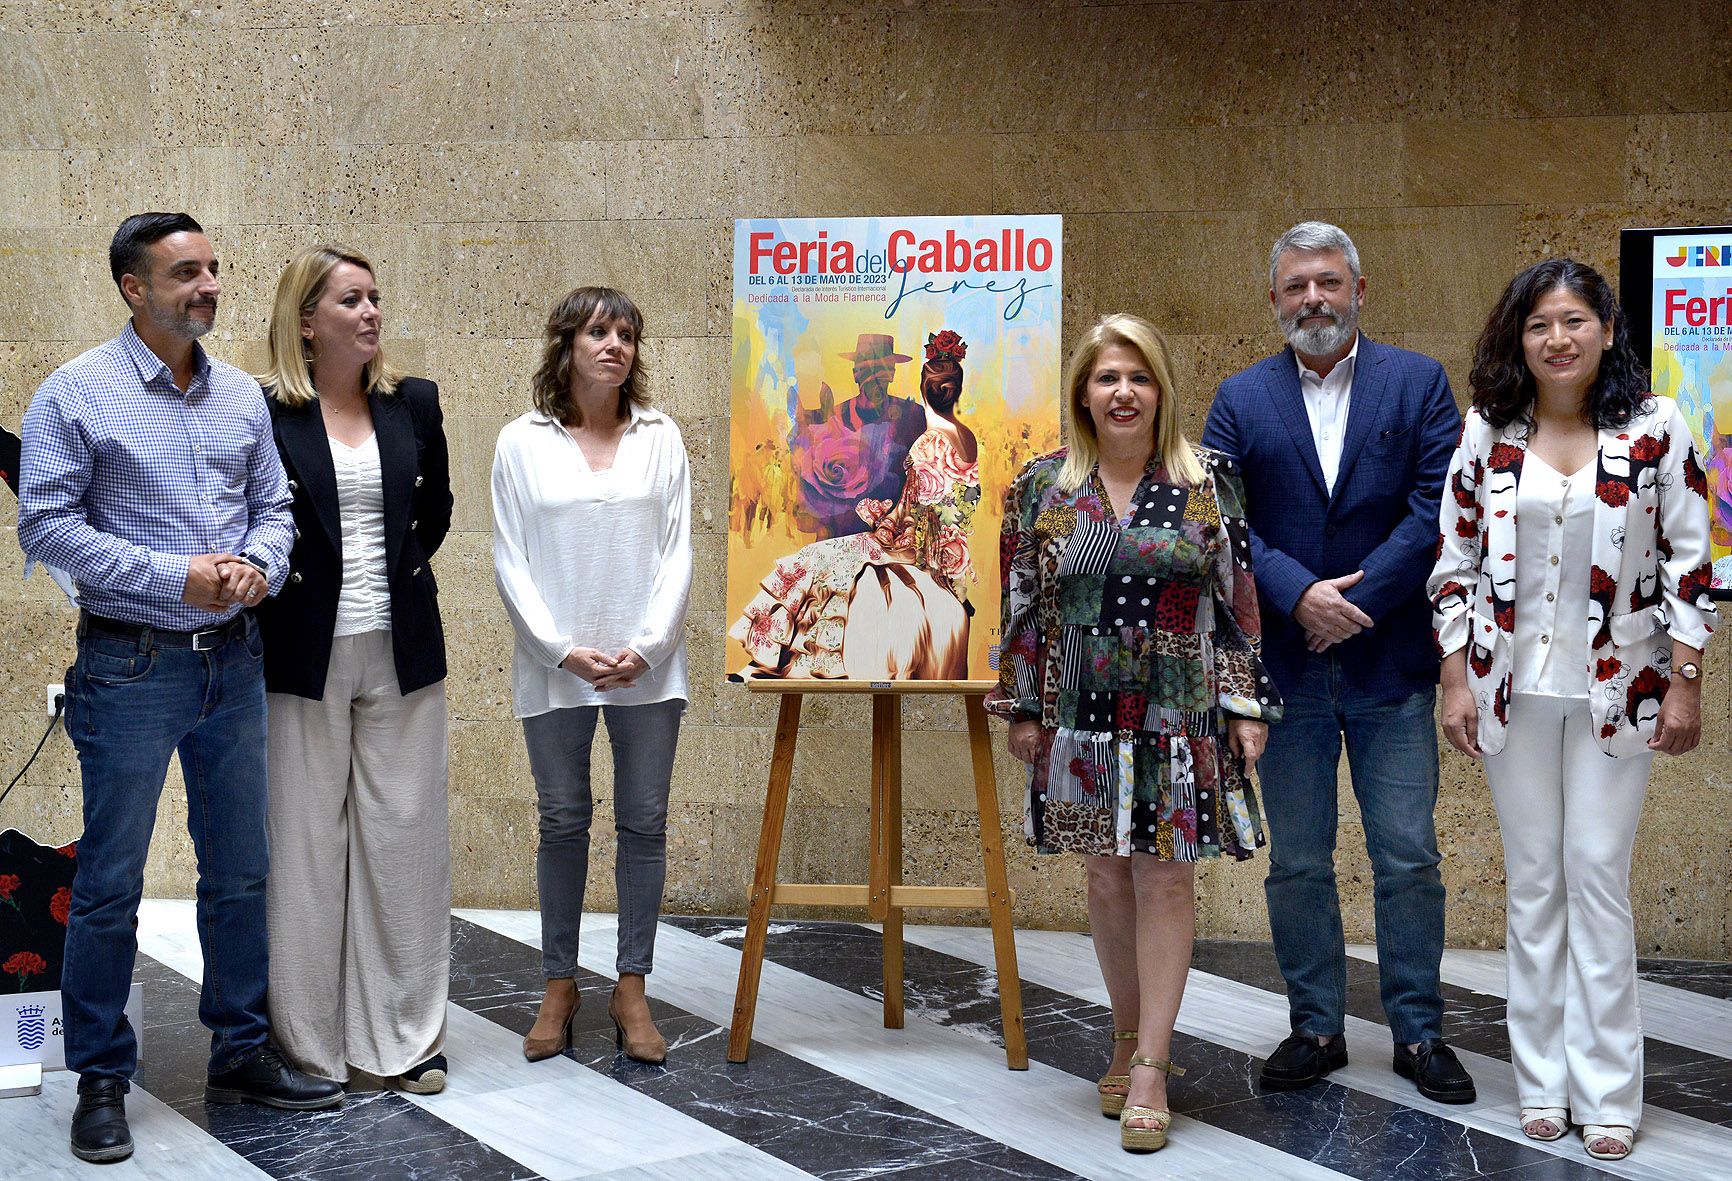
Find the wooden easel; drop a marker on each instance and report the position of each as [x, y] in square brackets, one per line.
[884, 896]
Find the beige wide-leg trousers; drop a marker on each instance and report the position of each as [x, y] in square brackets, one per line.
[359, 894]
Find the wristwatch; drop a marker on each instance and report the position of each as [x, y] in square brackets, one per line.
[1688, 670]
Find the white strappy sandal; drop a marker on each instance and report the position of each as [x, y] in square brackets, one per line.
[1556, 1117]
[1615, 1132]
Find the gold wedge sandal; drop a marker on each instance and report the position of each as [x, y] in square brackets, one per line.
[1111, 1101]
[1147, 1139]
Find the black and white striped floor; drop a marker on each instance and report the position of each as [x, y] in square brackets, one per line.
[829, 1093]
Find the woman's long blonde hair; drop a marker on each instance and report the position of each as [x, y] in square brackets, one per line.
[1176, 452]
[289, 372]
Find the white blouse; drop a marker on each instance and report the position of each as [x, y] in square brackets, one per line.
[1554, 543]
[592, 559]
[364, 602]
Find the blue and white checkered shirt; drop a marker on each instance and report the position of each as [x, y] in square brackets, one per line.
[124, 477]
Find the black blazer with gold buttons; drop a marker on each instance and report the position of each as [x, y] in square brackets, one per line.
[298, 623]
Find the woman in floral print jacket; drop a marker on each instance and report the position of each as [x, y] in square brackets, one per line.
[1570, 599]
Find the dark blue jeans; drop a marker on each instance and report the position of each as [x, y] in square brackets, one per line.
[1392, 754]
[130, 704]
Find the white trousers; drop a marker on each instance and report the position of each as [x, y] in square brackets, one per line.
[359, 895]
[1568, 813]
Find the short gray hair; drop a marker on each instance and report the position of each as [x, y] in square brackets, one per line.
[1314, 235]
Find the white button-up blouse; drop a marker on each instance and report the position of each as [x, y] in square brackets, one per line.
[1554, 543]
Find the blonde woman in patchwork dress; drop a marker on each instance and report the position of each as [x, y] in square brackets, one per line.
[1131, 679]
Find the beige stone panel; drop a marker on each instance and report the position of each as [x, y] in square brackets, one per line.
[483, 377]
[1202, 362]
[1678, 880]
[488, 762]
[26, 364]
[100, 187]
[237, 86]
[41, 646]
[30, 195]
[687, 375]
[708, 178]
[784, 73]
[493, 852]
[420, 183]
[172, 868]
[1190, 273]
[1452, 350]
[1589, 233]
[727, 765]
[1431, 270]
[58, 287]
[1630, 38]
[819, 844]
[478, 644]
[53, 775]
[471, 441]
[285, 185]
[464, 569]
[1359, 63]
[73, 91]
[706, 442]
[498, 279]
[37, 594]
[676, 271]
[892, 175]
[108, 16]
[1682, 157]
[1190, 168]
[1517, 161]
[581, 80]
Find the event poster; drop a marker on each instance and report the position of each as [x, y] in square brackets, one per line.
[890, 378]
[1691, 360]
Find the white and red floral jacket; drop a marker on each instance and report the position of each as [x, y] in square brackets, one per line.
[1649, 573]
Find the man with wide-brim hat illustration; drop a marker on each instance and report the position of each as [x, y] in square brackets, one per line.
[857, 451]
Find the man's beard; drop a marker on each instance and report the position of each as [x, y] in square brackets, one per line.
[180, 321]
[1320, 340]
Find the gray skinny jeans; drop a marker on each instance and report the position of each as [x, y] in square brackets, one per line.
[643, 738]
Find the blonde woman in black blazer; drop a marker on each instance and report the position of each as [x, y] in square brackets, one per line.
[360, 884]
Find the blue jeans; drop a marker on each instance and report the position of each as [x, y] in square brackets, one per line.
[643, 738]
[1392, 753]
[130, 704]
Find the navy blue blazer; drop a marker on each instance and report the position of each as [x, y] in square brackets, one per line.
[1402, 427]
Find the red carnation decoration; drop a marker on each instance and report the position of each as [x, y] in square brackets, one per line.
[1464, 527]
[1647, 449]
[1613, 491]
[60, 906]
[1695, 479]
[8, 883]
[24, 964]
[945, 344]
[1649, 685]
[1504, 457]
[1605, 670]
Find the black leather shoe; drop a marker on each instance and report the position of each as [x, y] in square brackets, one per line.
[99, 1131]
[1436, 1071]
[1300, 1061]
[266, 1078]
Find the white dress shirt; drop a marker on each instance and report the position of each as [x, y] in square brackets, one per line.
[1326, 401]
[1554, 544]
[593, 559]
[364, 601]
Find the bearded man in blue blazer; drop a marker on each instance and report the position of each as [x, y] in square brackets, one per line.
[1344, 444]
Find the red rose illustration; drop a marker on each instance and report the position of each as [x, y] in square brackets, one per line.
[1693, 587]
[1481, 665]
[60, 906]
[1504, 457]
[1613, 491]
[1464, 526]
[1609, 729]
[1601, 585]
[24, 964]
[1695, 479]
[946, 343]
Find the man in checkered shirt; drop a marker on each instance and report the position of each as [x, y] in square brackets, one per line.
[150, 474]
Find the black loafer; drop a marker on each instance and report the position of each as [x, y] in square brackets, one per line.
[1436, 1071]
[99, 1131]
[266, 1078]
[1301, 1061]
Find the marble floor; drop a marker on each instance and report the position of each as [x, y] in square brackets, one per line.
[830, 1093]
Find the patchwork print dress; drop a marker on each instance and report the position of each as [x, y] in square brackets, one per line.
[1131, 644]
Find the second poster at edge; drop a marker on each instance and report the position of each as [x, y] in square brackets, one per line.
[890, 378]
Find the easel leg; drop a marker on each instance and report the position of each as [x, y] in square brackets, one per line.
[887, 843]
[997, 884]
[764, 877]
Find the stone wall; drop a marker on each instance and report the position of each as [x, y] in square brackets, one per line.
[489, 159]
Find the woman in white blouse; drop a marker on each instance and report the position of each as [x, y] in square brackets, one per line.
[592, 554]
[358, 897]
[1570, 598]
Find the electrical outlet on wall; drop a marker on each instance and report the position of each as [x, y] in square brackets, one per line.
[56, 700]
